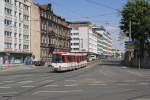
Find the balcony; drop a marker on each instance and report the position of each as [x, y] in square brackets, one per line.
[8, 39]
[26, 12]
[52, 34]
[44, 45]
[51, 45]
[9, 5]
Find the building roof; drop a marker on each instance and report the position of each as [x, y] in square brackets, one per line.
[48, 7]
[80, 22]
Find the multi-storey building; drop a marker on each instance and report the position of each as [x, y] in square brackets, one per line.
[14, 30]
[83, 39]
[93, 39]
[50, 33]
[104, 41]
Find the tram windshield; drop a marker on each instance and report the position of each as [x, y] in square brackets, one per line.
[58, 58]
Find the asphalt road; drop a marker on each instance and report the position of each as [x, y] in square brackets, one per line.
[100, 82]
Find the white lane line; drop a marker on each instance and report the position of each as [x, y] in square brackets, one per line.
[130, 81]
[10, 93]
[28, 86]
[70, 80]
[71, 85]
[144, 83]
[51, 86]
[8, 81]
[97, 84]
[24, 82]
[122, 84]
[5, 87]
[124, 67]
[65, 91]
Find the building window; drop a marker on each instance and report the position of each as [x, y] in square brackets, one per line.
[25, 37]
[25, 1]
[25, 46]
[15, 35]
[75, 38]
[15, 45]
[20, 4]
[75, 48]
[25, 17]
[19, 46]
[76, 34]
[26, 7]
[15, 24]
[8, 1]
[8, 34]
[15, 2]
[7, 45]
[76, 43]
[26, 26]
[7, 22]
[15, 14]
[8, 11]
[19, 35]
[19, 15]
[19, 24]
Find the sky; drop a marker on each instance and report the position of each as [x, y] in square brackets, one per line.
[100, 12]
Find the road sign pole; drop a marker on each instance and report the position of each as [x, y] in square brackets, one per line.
[139, 63]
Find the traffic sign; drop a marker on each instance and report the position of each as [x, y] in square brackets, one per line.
[129, 42]
[130, 46]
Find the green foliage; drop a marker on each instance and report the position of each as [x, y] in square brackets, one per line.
[138, 11]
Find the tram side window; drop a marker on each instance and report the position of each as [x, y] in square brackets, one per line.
[58, 59]
[69, 59]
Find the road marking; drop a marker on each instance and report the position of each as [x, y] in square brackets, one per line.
[130, 81]
[24, 82]
[70, 80]
[98, 84]
[10, 93]
[28, 86]
[144, 83]
[51, 86]
[71, 85]
[65, 91]
[124, 67]
[5, 87]
[122, 84]
[8, 81]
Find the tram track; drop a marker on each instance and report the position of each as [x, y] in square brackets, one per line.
[61, 78]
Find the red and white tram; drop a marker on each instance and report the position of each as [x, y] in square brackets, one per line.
[63, 61]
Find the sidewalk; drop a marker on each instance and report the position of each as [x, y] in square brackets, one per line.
[15, 67]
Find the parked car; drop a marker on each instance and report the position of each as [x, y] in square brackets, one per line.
[38, 62]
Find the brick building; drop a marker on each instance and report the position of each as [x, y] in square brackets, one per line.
[49, 32]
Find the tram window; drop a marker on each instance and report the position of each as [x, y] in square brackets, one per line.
[58, 59]
[70, 59]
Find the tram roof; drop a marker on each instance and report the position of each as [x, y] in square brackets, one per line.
[69, 53]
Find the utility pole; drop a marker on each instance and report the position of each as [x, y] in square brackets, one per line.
[130, 30]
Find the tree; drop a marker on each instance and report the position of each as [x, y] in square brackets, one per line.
[138, 12]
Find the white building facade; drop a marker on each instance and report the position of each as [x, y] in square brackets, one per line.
[93, 39]
[14, 31]
[104, 41]
[83, 39]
